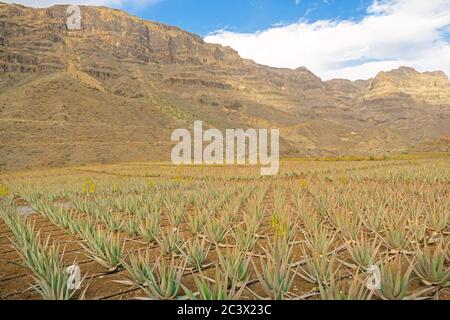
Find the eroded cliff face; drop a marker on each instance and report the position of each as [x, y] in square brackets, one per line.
[113, 91]
[429, 88]
[34, 39]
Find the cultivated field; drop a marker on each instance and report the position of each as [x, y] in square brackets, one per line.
[319, 230]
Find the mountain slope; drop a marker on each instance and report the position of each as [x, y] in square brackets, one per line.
[114, 90]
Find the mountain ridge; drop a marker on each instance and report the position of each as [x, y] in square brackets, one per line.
[120, 70]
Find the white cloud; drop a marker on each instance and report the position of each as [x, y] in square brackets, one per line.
[394, 33]
[111, 3]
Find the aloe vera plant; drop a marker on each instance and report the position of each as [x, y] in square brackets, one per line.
[176, 212]
[222, 288]
[131, 206]
[417, 229]
[255, 208]
[318, 267]
[338, 290]
[85, 206]
[245, 239]
[323, 203]
[430, 266]
[151, 207]
[310, 220]
[216, 230]
[148, 228]
[126, 204]
[110, 221]
[252, 222]
[58, 215]
[131, 225]
[276, 277]
[139, 268]
[373, 217]
[196, 252]
[437, 218]
[170, 242]
[163, 282]
[364, 253]
[43, 259]
[395, 235]
[104, 247]
[347, 223]
[51, 277]
[234, 264]
[197, 221]
[395, 280]
[23, 233]
[320, 240]
[228, 217]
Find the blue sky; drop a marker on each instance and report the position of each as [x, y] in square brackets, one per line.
[206, 16]
[203, 17]
[352, 39]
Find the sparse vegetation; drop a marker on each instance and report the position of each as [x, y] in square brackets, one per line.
[41, 257]
[223, 233]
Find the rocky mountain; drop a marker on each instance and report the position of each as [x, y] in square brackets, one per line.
[115, 89]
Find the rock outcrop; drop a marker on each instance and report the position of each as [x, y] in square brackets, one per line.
[113, 91]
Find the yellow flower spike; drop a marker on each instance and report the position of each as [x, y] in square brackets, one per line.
[4, 191]
[275, 221]
[278, 227]
[280, 230]
[89, 186]
[344, 180]
[303, 184]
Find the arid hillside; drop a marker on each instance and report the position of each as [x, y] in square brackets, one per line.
[114, 91]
